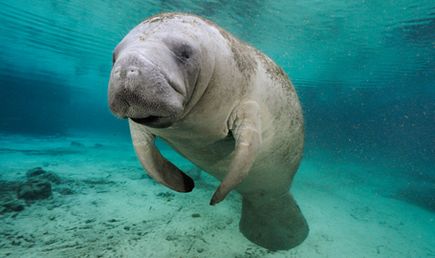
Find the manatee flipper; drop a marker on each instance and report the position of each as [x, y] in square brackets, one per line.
[245, 126]
[159, 168]
[273, 222]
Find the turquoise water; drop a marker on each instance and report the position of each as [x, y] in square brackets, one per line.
[364, 71]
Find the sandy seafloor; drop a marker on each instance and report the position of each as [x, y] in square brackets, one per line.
[112, 209]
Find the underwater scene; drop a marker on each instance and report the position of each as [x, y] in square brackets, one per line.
[242, 164]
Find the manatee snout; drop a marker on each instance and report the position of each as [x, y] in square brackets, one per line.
[140, 90]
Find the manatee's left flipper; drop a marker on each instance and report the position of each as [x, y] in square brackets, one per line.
[245, 125]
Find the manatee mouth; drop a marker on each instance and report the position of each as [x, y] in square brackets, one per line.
[153, 121]
[145, 120]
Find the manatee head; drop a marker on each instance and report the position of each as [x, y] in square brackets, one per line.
[153, 75]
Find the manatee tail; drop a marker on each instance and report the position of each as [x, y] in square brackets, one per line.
[275, 223]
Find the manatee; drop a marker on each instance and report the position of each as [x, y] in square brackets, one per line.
[223, 105]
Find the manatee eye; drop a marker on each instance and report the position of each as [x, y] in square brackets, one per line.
[183, 53]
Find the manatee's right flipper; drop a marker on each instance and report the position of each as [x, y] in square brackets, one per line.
[159, 168]
[273, 222]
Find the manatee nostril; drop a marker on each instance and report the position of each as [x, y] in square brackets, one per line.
[116, 72]
[132, 72]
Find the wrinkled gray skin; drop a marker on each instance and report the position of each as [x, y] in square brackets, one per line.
[224, 106]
